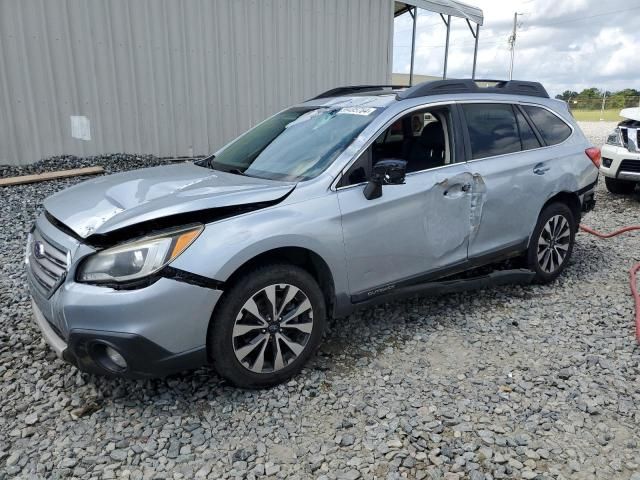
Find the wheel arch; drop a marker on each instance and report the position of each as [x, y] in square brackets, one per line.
[301, 257]
[571, 200]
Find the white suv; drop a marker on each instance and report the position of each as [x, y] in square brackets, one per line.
[621, 154]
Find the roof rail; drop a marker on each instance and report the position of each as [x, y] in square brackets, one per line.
[335, 92]
[443, 87]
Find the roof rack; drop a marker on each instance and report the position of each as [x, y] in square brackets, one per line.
[335, 92]
[443, 87]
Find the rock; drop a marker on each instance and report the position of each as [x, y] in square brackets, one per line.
[12, 459]
[271, 469]
[282, 454]
[31, 419]
[394, 443]
[499, 458]
[347, 440]
[68, 462]
[118, 455]
[514, 463]
[350, 475]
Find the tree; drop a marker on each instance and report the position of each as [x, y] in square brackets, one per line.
[567, 95]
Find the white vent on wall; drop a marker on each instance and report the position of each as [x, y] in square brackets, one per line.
[80, 128]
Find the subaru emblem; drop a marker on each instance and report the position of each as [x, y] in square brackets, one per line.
[38, 249]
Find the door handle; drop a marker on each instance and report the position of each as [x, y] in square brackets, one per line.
[464, 188]
[540, 169]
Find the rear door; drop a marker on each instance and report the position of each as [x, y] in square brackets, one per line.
[501, 146]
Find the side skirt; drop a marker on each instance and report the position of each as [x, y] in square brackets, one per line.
[519, 276]
[439, 276]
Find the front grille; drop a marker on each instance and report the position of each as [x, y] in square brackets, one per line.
[630, 138]
[48, 263]
[625, 137]
[630, 166]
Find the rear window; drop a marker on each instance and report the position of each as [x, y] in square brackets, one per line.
[553, 129]
[493, 129]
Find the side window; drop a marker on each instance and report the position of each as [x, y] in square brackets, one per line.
[492, 129]
[553, 129]
[527, 137]
[359, 172]
[422, 138]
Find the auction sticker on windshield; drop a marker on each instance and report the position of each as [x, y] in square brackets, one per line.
[356, 111]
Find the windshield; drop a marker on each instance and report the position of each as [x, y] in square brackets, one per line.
[296, 144]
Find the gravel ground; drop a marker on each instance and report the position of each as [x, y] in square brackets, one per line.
[512, 382]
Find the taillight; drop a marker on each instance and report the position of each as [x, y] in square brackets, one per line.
[594, 155]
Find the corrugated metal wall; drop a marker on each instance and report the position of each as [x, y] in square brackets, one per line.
[173, 77]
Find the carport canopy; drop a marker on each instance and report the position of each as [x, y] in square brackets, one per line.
[446, 9]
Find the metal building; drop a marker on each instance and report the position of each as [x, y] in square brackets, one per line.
[175, 77]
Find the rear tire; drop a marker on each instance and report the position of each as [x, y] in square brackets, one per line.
[266, 326]
[551, 244]
[621, 187]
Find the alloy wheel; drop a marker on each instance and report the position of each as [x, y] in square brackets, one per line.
[272, 328]
[553, 243]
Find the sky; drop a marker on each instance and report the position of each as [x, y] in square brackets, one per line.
[565, 44]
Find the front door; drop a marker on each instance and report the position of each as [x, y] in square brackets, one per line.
[413, 229]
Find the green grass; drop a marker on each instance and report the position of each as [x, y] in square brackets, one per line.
[594, 115]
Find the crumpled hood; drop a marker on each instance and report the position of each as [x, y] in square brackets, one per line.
[112, 202]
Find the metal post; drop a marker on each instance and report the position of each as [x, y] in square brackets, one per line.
[475, 52]
[446, 47]
[604, 100]
[512, 42]
[413, 43]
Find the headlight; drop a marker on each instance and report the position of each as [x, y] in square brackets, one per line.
[615, 138]
[138, 259]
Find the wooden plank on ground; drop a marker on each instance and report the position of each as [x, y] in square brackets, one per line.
[41, 177]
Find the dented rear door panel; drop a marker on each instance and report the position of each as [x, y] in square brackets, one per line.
[513, 197]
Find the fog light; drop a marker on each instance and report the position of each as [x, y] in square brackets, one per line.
[606, 162]
[117, 359]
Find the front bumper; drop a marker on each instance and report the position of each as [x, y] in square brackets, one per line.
[145, 359]
[158, 329]
[57, 344]
[620, 163]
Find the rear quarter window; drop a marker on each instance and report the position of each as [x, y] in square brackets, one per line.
[551, 127]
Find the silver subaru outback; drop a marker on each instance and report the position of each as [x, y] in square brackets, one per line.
[357, 196]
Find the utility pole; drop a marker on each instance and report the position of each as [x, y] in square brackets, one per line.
[512, 43]
[604, 100]
[414, 15]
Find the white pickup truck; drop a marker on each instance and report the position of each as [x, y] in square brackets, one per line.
[621, 154]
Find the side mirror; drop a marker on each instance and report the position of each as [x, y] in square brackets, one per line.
[386, 172]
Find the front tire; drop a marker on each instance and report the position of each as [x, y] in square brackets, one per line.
[267, 325]
[551, 244]
[621, 187]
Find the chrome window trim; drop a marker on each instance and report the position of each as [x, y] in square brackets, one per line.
[376, 134]
[452, 102]
[419, 172]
